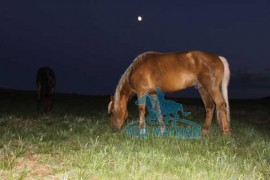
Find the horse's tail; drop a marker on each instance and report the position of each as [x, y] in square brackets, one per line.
[224, 84]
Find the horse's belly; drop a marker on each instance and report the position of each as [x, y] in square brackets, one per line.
[168, 80]
[176, 83]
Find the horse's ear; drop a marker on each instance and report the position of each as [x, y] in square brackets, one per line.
[110, 108]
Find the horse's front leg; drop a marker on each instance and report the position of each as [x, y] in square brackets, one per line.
[142, 117]
[158, 111]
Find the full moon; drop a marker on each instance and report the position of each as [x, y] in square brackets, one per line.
[139, 18]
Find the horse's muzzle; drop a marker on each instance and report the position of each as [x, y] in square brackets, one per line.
[115, 129]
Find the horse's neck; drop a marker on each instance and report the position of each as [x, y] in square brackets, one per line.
[123, 94]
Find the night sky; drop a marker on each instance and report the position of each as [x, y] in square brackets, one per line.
[89, 44]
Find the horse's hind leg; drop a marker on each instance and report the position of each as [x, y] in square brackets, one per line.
[209, 108]
[221, 110]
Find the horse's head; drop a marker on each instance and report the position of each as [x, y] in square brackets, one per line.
[118, 114]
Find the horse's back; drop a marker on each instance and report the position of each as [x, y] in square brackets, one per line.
[185, 58]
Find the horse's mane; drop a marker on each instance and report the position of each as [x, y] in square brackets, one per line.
[125, 77]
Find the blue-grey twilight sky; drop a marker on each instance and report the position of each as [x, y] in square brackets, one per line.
[89, 44]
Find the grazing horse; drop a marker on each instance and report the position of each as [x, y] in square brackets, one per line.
[173, 72]
[45, 87]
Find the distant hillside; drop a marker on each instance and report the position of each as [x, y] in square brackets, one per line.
[14, 92]
[9, 91]
[266, 98]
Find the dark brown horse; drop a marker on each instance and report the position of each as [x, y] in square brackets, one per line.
[45, 87]
[173, 72]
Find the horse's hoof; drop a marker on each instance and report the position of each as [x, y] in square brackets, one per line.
[142, 131]
[229, 132]
[205, 131]
[162, 128]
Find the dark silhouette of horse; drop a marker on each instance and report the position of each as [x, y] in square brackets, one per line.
[45, 87]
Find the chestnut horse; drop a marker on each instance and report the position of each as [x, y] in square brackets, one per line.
[173, 72]
[45, 87]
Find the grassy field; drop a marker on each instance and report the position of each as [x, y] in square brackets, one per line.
[75, 142]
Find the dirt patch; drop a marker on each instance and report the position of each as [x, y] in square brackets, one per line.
[32, 167]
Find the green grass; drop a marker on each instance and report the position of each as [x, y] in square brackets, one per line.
[75, 142]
